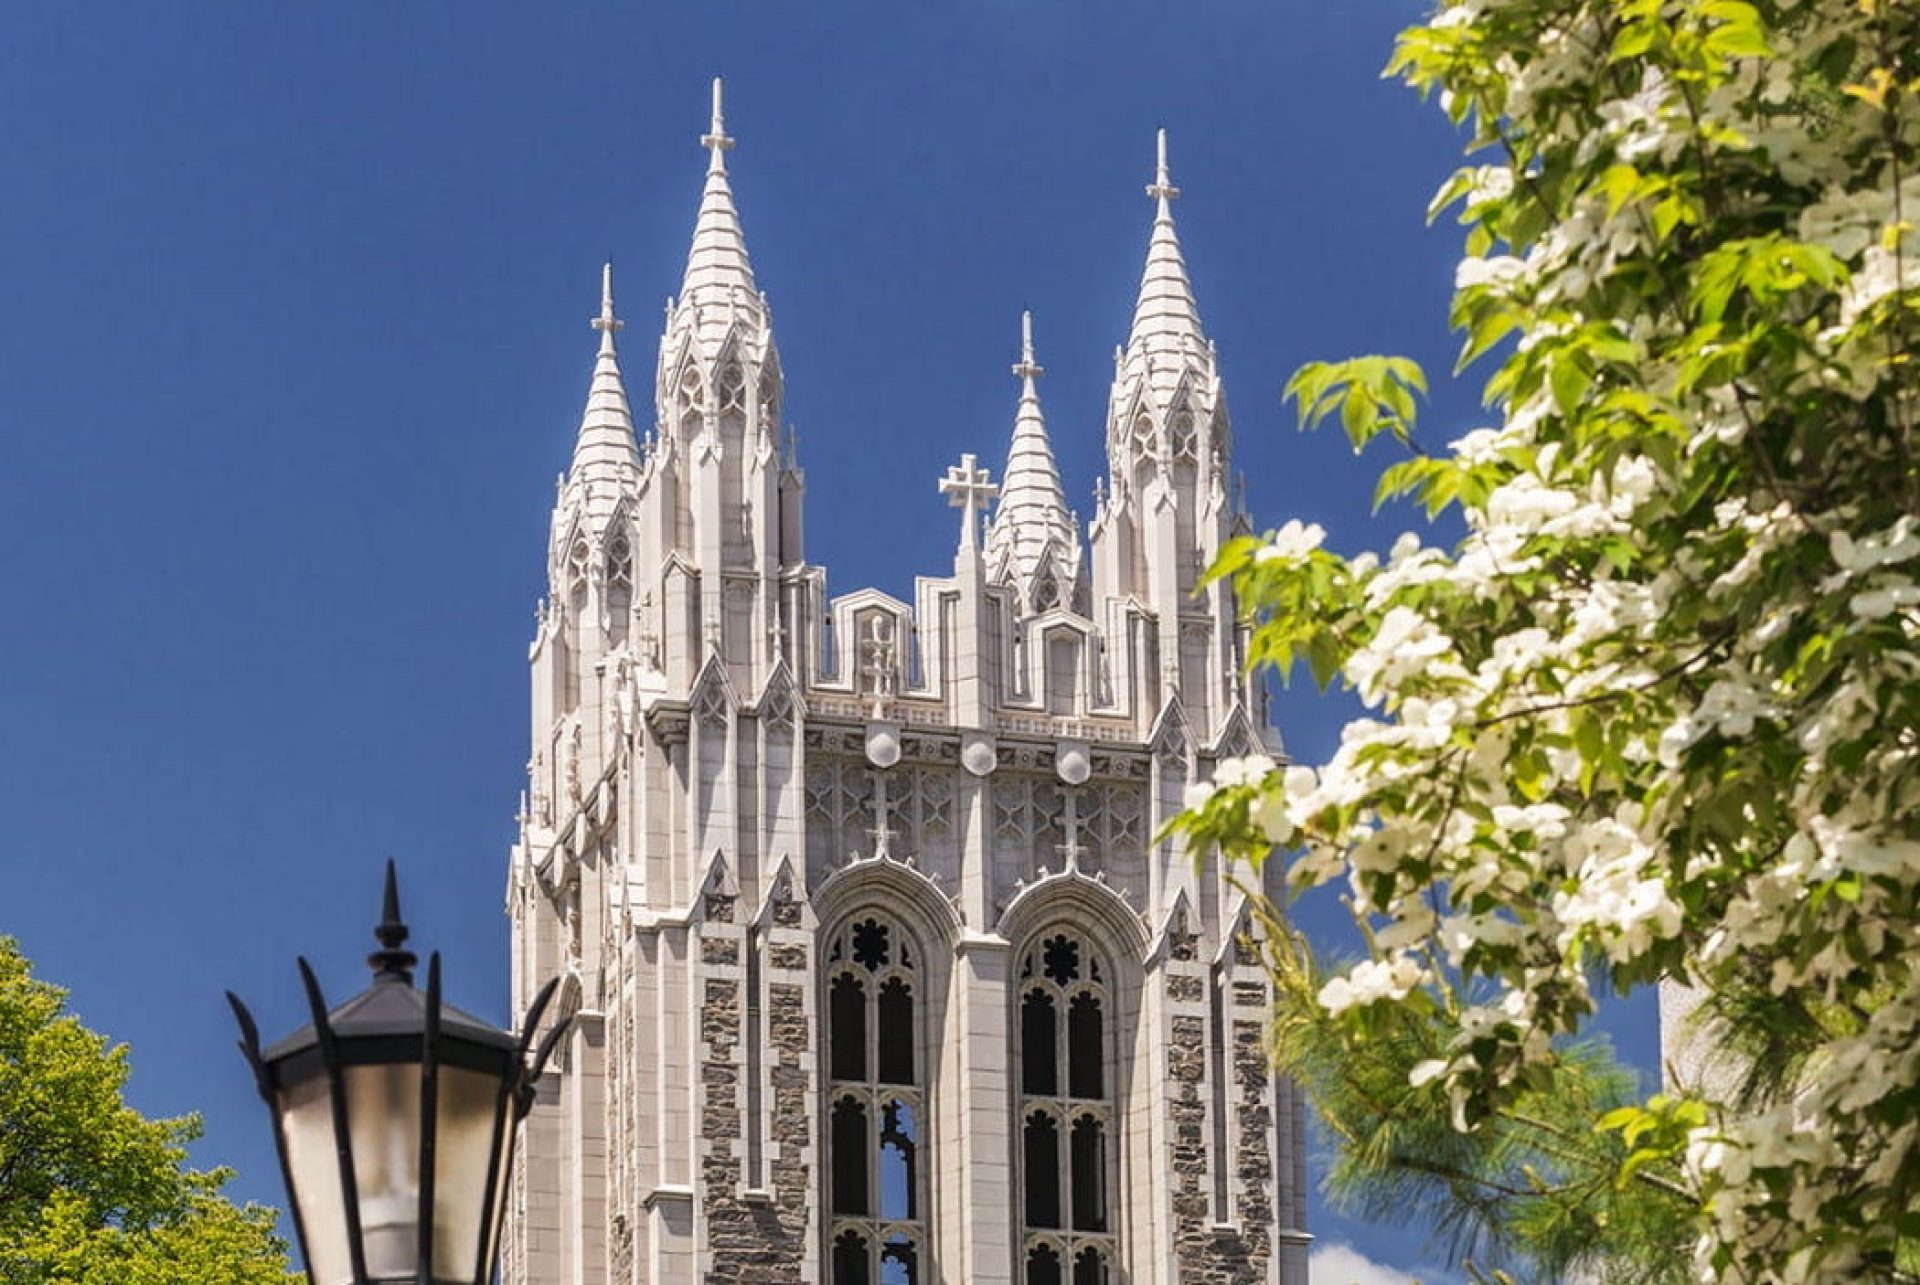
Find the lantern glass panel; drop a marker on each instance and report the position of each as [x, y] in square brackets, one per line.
[463, 1146]
[313, 1165]
[383, 1115]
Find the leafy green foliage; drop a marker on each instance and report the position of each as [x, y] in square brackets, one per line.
[92, 1193]
[1653, 719]
[1539, 1193]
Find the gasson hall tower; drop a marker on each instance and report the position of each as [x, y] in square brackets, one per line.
[875, 972]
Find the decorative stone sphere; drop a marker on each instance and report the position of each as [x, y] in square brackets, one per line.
[977, 753]
[883, 744]
[1072, 761]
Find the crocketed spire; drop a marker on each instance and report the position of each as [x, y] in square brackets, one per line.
[1033, 542]
[605, 456]
[1166, 322]
[717, 267]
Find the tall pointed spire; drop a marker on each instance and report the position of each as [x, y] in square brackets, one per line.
[1034, 541]
[1165, 319]
[605, 454]
[718, 270]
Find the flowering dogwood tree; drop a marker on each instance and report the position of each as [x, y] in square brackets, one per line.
[1656, 716]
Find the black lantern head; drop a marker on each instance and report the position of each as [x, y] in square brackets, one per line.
[395, 1114]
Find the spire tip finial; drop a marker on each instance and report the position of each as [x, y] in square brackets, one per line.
[607, 323]
[1027, 368]
[715, 140]
[1162, 188]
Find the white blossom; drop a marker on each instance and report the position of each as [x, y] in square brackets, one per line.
[1369, 982]
[1405, 643]
[1248, 770]
[1292, 542]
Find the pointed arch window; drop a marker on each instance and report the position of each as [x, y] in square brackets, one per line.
[1143, 435]
[769, 403]
[1046, 593]
[693, 403]
[1067, 1159]
[1184, 437]
[619, 583]
[876, 1106]
[579, 560]
[733, 391]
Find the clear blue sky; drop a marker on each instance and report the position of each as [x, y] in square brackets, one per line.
[293, 340]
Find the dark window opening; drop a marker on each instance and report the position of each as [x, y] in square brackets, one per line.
[1042, 1150]
[1089, 1268]
[849, 1158]
[848, 1020]
[1037, 1071]
[870, 944]
[1062, 961]
[1043, 1266]
[1089, 1175]
[1086, 1050]
[896, 1032]
[850, 1260]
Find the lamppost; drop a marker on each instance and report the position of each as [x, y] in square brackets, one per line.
[394, 1116]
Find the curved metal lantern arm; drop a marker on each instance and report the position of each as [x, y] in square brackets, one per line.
[516, 1099]
[250, 1048]
[531, 1070]
[429, 1115]
[342, 1138]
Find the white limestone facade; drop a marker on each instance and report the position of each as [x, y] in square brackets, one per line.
[875, 969]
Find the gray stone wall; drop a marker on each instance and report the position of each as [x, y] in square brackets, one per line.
[757, 1227]
[1207, 1250]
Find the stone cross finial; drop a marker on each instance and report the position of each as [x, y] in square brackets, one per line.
[1027, 367]
[606, 323]
[1162, 188]
[970, 487]
[716, 140]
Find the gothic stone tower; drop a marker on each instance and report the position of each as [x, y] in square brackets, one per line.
[875, 971]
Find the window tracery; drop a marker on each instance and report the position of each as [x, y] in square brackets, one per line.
[876, 1113]
[1028, 819]
[1066, 1114]
[769, 403]
[579, 560]
[619, 573]
[733, 391]
[1184, 437]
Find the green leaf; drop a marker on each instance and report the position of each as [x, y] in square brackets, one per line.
[1569, 383]
[1323, 658]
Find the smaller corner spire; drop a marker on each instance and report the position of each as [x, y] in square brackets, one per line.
[716, 140]
[1162, 188]
[1033, 540]
[607, 323]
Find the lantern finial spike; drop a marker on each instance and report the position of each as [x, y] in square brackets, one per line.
[392, 962]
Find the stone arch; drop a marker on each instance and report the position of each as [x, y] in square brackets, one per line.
[1080, 909]
[1085, 901]
[893, 892]
[884, 881]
